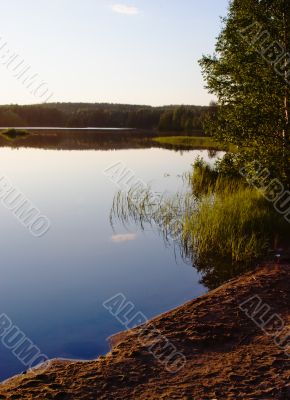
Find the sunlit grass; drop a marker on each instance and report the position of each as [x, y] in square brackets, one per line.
[206, 143]
[12, 133]
[222, 225]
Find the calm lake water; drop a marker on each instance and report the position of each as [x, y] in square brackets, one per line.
[53, 287]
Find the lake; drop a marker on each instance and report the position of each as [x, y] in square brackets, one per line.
[52, 287]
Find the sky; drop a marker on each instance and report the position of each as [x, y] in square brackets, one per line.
[132, 52]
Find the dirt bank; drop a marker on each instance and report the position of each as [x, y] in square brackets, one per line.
[227, 355]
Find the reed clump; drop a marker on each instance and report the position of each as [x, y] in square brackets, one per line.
[222, 225]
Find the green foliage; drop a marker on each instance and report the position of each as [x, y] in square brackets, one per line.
[165, 122]
[12, 134]
[252, 95]
[9, 117]
[183, 119]
[234, 223]
[222, 225]
[168, 118]
[207, 180]
[193, 142]
[203, 179]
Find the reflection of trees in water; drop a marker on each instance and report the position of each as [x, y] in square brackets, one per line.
[82, 140]
[87, 139]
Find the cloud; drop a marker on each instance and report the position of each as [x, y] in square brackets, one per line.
[125, 237]
[125, 9]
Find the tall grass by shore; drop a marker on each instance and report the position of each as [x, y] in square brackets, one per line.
[222, 225]
[193, 142]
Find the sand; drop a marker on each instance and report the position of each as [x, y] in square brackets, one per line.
[227, 355]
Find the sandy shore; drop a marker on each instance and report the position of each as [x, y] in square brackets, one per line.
[227, 354]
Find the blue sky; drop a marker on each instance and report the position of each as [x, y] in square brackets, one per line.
[136, 51]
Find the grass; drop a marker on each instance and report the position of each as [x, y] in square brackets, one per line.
[193, 142]
[237, 226]
[233, 227]
[222, 225]
[204, 179]
[232, 217]
[12, 133]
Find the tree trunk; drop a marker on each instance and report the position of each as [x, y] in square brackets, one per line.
[286, 18]
[286, 131]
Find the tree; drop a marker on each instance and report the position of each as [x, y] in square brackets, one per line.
[250, 75]
[165, 123]
[9, 118]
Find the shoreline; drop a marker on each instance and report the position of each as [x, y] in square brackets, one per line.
[227, 355]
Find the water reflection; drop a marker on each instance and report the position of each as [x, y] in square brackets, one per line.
[92, 139]
[53, 287]
[168, 213]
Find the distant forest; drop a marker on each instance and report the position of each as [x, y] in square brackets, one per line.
[169, 118]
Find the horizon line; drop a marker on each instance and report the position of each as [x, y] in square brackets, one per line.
[106, 103]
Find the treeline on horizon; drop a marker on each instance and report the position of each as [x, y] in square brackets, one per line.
[187, 119]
